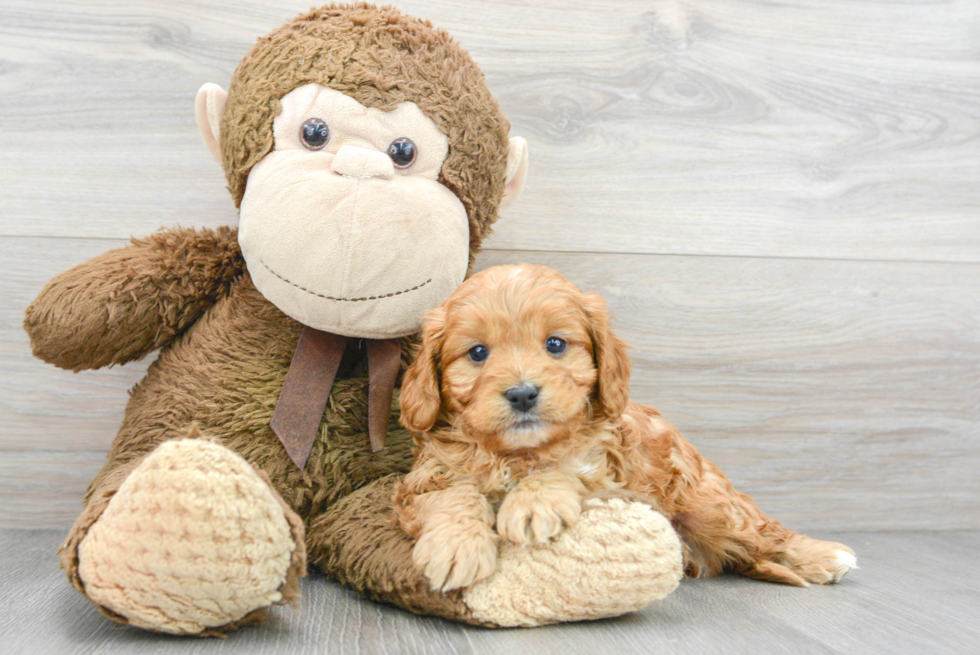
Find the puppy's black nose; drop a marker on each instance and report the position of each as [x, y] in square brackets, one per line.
[522, 397]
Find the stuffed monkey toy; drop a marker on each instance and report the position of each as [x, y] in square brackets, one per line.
[368, 161]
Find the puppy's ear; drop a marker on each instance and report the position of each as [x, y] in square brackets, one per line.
[420, 398]
[611, 360]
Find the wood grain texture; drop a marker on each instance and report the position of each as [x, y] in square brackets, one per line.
[44, 407]
[914, 593]
[816, 128]
[842, 395]
[779, 200]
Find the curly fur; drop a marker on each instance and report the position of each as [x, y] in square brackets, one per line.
[581, 436]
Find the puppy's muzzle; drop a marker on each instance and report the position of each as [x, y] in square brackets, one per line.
[522, 397]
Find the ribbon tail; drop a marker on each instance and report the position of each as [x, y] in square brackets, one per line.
[384, 361]
[305, 392]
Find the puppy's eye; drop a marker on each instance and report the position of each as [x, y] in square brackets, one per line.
[478, 354]
[403, 152]
[314, 134]
[555, 346]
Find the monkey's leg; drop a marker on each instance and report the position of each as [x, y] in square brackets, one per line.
[190, 540]
[620, 556]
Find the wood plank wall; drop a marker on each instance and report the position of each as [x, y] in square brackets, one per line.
[780, 200]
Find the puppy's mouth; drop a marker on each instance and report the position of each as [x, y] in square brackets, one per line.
[525, 432]
[529, 424]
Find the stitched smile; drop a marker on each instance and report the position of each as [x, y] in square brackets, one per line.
[326, 297]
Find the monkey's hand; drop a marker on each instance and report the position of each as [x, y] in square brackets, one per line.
[121, 305]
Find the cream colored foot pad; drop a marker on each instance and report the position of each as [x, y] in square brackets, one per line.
[618, 558]
[193, 539]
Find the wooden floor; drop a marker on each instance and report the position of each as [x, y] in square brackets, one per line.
[914, 593]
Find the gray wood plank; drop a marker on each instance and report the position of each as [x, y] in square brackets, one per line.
[45, 487]
[838, 128]
[914, 593]
[841, 395]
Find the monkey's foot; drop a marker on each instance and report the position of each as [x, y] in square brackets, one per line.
[195, 541]
[619, 557]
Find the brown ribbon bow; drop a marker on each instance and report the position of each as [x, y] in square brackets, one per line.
[306, 390]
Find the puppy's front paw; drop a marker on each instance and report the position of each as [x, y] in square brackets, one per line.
[456, 555]
[534, 517]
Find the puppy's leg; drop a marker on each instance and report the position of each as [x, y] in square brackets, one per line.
[537, 508]
[456, 544]
[724, 529]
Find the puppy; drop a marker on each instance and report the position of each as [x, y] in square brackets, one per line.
[519, 398]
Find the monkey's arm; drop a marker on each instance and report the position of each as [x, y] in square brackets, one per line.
[121, 305]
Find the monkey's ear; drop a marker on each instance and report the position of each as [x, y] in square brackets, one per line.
[208, 108]
[516, 171]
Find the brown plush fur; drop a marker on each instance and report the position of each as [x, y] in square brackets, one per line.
[224, 349]
[381, 568]
[156, 289]
[223, 373]
[380, 58]
[478, 452]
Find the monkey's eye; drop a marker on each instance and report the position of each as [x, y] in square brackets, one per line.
[555, 345]
[314, 134]
[403, 152]
[479, 353]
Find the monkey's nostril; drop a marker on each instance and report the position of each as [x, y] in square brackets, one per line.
[522, 397]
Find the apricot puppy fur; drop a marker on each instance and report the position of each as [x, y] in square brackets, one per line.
[520, 402]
